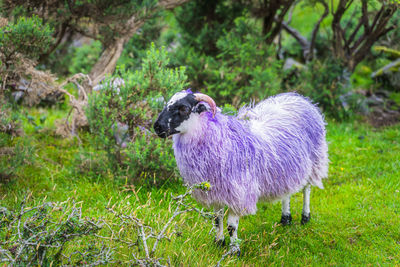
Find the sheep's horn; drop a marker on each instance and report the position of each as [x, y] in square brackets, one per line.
[207, 99]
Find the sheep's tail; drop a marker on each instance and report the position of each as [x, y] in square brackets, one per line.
[320, 166]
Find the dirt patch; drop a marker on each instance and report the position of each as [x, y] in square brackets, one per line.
[381, 117]
[383, 110]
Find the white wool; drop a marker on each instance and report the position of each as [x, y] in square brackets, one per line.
[190, 125]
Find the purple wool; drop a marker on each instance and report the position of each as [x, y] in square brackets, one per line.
[266, 152]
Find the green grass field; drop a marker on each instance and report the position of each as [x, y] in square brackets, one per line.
[355, 219]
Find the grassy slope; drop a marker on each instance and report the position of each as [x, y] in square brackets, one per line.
[355, 220]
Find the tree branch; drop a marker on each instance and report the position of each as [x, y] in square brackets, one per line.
[309, 56]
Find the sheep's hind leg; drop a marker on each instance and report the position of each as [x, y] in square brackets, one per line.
[233, 226]
[286, 218]
[305, 216]
[219, 226]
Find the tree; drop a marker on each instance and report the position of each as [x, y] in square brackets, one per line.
[307, 46]
[21, 43]
[113, 22]
[272, 13]
[352, 36]
[351, 43]
[202, 22]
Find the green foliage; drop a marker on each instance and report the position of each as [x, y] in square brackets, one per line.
[28, 36]
[15, 152]
[25, 39]
[14, 156]
[119, 113]
[84, 57]
[235, 78]
[201, 23]
[136, 49]
[243, 69]
[328, 84]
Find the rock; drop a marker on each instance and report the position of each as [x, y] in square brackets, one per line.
[374, 101]
[291, 63]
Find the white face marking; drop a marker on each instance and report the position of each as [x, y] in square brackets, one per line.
[190, 124]
[176, 97]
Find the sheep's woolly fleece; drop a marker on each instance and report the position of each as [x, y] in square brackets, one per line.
[266, 152]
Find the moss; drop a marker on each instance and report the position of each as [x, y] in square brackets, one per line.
[391, 52]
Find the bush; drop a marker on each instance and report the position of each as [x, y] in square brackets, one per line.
[15, 151]
[28, 36]
[13, 156]
[120, 116]
[38, 235]
[202, 22]
[244, 69]
[328, 84]
[57, 233]
[21, 43]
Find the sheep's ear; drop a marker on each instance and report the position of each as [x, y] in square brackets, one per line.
[199, 108]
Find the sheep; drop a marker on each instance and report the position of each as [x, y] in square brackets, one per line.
[266, 152]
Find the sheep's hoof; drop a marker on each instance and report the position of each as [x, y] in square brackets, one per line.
[235, 249]
[305, 218]
[286, 219]
[220, 243]
[238, 253]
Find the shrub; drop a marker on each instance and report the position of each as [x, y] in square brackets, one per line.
[328, 84]
[21, 43]
[57, 233]
[15, 152]
[244, 68]
[120, 116]
[202, 22]
[38, 235]
[28, 36]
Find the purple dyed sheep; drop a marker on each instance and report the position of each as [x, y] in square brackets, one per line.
[266, 152]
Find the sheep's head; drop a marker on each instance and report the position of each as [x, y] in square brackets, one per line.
[182, 109]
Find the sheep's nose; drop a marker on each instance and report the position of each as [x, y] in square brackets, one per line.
[159, 130]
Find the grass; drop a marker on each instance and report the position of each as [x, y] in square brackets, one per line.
[355, 219]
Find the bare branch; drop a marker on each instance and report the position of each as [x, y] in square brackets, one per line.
[308, 56]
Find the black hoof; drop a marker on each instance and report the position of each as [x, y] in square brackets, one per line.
[220, 243]
[286, 219]
[238, 253]
[305, 218]
[235, 250]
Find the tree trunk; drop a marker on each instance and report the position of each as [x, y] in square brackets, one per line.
[107, 61]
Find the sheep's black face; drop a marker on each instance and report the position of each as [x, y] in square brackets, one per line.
[178, 110]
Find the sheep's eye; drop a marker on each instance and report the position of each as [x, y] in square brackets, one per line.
[184, 110]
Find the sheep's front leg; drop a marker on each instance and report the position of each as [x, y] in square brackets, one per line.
[219, 226]
[286, 218]
[305, 216]
[233, 226]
